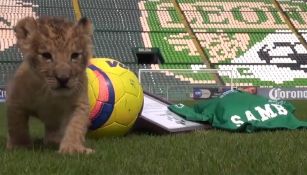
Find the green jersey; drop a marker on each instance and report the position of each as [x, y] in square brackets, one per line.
[241, 111]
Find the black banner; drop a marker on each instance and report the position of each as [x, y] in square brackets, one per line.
[207, 93]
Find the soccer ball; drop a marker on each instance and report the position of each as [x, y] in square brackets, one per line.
[115, 98]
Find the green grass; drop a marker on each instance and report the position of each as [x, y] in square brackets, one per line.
[202, 152]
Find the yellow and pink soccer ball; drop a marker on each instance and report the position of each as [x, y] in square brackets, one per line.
[115, 98]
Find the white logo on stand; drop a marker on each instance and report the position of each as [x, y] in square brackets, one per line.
[277, 93]
[2, 95]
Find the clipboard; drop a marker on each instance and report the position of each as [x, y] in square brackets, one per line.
[156, 117]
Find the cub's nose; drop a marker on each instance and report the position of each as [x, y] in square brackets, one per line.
[63, 80]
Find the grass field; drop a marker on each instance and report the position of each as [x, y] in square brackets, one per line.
[202, 152]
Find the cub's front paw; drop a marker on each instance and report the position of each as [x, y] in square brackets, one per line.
[74, 149]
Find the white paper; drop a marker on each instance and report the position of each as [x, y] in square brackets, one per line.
[157, 112]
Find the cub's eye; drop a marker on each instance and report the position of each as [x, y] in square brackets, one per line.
[74, 56]
[47, 56]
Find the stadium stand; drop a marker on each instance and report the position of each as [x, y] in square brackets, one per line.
[121, 28]
[252, 38]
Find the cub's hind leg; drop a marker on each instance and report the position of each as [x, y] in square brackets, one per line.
[18, 128]
[53, 134]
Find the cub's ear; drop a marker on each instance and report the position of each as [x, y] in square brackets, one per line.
[25, 27]
[85, 26]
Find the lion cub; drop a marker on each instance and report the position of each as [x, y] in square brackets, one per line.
[51, 83]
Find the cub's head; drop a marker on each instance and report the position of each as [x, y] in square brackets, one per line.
[57, 50]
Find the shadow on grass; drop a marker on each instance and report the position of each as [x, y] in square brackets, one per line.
[37, 145]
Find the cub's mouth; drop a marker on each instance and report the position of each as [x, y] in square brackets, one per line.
[62, 91]
[61, 88]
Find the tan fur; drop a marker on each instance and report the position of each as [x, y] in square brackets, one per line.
[51, 83]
